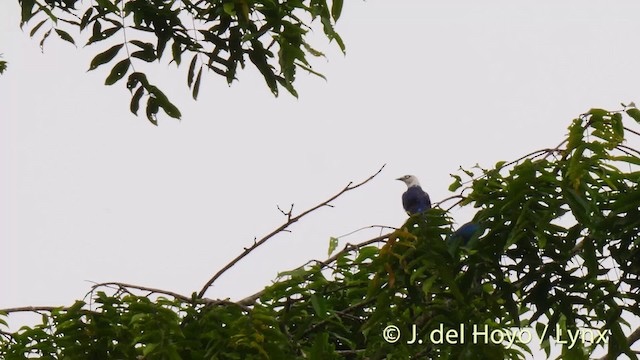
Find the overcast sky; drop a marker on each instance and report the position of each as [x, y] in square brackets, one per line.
[91, 193]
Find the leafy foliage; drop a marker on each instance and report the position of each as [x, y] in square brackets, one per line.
[217, 35]
[558, 252]
[3, 66]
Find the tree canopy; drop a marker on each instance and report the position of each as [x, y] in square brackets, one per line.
[558, 256]
[214, 35]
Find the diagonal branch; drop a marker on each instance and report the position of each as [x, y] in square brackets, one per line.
[290, 220]
[631, 339]
[251, 299]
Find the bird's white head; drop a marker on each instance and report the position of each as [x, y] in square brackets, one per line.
[410, 180]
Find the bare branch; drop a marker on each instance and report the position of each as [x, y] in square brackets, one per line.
[460, 197]
[286, 213]
[530, 156]
[632, 131]
[126, 287]
[381, 227]
[36, 309]
[291, 220]
[620, 147]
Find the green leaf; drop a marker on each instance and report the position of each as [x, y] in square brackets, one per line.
[578, 204]
[97, 29]
[85, 18]
[295, 273]
[229, 9]
[336, 9]
[162, 101]
[163, 36]
[196, 85]
[319, 306]
[426, 286]
[634, 113]
[367, 252]
[35, 28]
[49, 13]
[27, 10]
[143, 55]
[192, 69]
[321, 347]
[44, 37]
[65, 36]
[136, 78]
[312, 51]
[103, 35]
[135, 100]
[311, 70]
[118, 71]
[258, 56]
[176, 51]
[333, 244]
[149, 348]
[468, 172]
[598, 112]
[617, 126]
[152, 110]
[105, 57]
[457, 183]
[108, 5]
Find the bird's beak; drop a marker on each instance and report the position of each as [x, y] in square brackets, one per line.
[399, 179]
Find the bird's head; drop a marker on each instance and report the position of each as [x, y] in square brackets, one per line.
[410, 180]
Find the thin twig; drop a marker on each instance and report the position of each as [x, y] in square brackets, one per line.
[367, 227]
[345, 311]
[286, 213]
[632, 131]
[126, 287]
[531, 155]
[627, 148]
[36, 309]
[462, 198]
[350, 247]
[251, 299]
[283, 227]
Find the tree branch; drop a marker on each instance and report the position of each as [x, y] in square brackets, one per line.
[251, 299]
[381, 227]
[290, 220]
[343, 312]
[123, 286]
[38, 309]
[631, 339]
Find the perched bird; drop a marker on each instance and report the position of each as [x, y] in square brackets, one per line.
[464, 233]
[414, 200]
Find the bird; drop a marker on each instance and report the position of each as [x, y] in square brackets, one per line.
[414, 200]
[464, 233]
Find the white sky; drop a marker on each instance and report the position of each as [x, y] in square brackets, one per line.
[90, 193]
